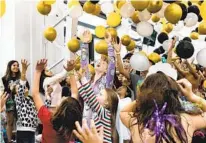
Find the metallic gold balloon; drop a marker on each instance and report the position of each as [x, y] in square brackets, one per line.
[168, 27]
[43, 8]
[97, 10]
[50, 2]
[73, 45]
[112, 31]
[202, 10]
[113, 19]
[101, 47]
[89, 7]
[194, 36]
[173, 13]
[2, 7]
[140, 5]
[155, 18]
[155, 6]
[100, 31]
[202, 28]
[126, 40]
[131, 46]
[50, 34]
[135, 17]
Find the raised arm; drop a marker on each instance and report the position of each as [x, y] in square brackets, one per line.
[183, 73]
[1, 87]
[192, 70]
[35, 91]
[3, 98]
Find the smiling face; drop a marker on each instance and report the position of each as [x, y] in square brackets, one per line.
[15, 67]
[127, 65]
[101, 66]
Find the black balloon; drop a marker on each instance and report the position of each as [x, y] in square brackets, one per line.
[162, 37]
[94, 1]
[194, 9]
[184, 10]
[199, 18]
[169, 1]
[189, 3]
[185, 49]
[196, 30]
[187, 39]
[159, 50]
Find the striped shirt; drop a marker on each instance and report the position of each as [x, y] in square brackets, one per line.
[103, 116]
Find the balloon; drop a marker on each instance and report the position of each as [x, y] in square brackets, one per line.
[94, 1]
[127, 10]
[199, 18]
[131, 46]
[107, 7]
[75, 11]
[159, 50]
[73, 3]
[2, 7]
[77, 66]
[179, 26]
[162, 37]
[100, 31]
[169, 1]
[135, 17]
[140, 5]
[50, 34]
[97, 10]
[144, 29]
[89, 7]
[101, 47]
[201, 57]
[112, 31]
[50, 2]
[194, 36]
[43, 8]
[185, 49]
[73, 45]
[194, 9]
[125, 40]
[191, 20]
[173, 13]
[161, 12]
[202, 28]
[155, 18]
[202, 10]
[144, 15]
[184, 10]
[168, 27]
[154, 57]
[139, 62]
[155, 6]
[113, 19]
[166, 44]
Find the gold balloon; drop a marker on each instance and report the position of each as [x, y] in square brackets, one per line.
[204, 84]
[173, 13]
[100, 31]
[155, 6]
[73, 3]
[101, 47]
[120, 3]
[194, 36]
[140, 5]
[49, 2]
[168, 27]
[43, 8]
[97, 10]
[125, 40]
[155, 18]
[113, 19]
[112, 31]
[202, 10]
[202, 28]
[73, 45]
[131, 46]
[91, 69]
[143, 53]
[50, 34]
[135, 17]
[89, 7]
[2, 7]
[77, 66]
[154, 57]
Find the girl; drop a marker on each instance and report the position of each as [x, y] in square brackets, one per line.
[57, 125]
[157, 115]
[105, 106]
[10, 80]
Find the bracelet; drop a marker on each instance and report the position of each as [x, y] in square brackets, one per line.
[117, 53]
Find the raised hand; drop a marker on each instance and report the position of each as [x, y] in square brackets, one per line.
[186, 87]
[86, 37]
[41, 65]
[25, 64]
[3, 99]
[70, 65]
[87, 135]
[117, 47]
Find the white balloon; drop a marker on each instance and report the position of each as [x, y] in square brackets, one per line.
[144, 29]
[127, 10]
[201, 57]
[139, 62]
[144, 15]
[107, 7]
[178, 26]
[166, 44]
[76, 11]
[191, 19]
